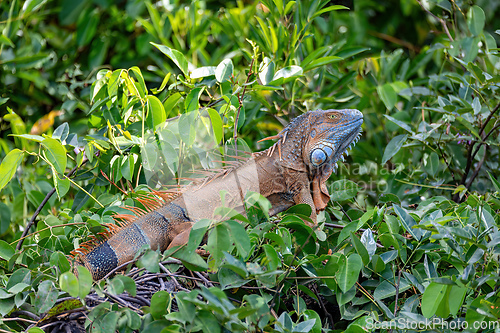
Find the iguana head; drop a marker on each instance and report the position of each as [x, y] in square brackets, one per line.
[313, 142]
[332, 132]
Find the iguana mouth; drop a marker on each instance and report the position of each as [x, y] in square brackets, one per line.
[349, 142]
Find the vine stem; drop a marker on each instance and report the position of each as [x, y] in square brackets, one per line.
[42, 204]
[471, 153]
[240, 101]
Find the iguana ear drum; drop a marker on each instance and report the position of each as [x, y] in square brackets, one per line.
[318, 157]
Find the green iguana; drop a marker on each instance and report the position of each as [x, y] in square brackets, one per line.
[292, 171]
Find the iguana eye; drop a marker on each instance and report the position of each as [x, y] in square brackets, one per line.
[333, 116]
[318, 157]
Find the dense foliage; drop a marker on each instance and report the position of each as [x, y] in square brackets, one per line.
[409, 240]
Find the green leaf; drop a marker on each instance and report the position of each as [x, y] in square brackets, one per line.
[321, 62]
[56, 154]
[408, 222]
[360, 248]
[476, 20]
[285, 75]
[192, 99]
[84, 281]
[143, 90]
[203, 72]
[6, 250]
[160, 304]
[156, 113]
[399, 123]
[224, 70]
[46, 296]
[69, 283]
[61, 132]
[432, 298]
[432, 164]
[9, 166]
[495, 182]
[343, 189]
[456, 298]
[217, 125]
[393, 147]
[239, 237]
[150, 261]
[176, 56]
[218, 242]
[387, 95]
[266, 71]
[348, 273]
[327, 9]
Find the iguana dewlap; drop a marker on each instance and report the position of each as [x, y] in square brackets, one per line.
[293, 171]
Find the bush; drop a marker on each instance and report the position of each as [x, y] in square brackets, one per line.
[409, 237]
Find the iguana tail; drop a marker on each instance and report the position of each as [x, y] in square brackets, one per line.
[162, 224]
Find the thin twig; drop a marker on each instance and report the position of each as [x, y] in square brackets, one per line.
[476, 172]
[397, 293]
[42, 204]
[443, 22]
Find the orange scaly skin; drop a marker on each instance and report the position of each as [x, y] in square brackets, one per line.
[293, 171]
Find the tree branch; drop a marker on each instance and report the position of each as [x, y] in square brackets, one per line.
[42, 204]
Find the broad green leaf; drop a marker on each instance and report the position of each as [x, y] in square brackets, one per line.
[160, 304]
[56, 154]
[108, 323]
[360, 249]
[176, 56]
[432, 164]
[399, 123]
[6, 250]
[266, 71]
[228, 278]
[224, 70]
[285, 75]
[239, 237]
[495, 182]
[9, 166]
[150, 261]
[393, 147]
[84, 281]
[271, 257]
[327, 9]
[321, 62]
[46, 296]
[387, 95]
[69, 283]
[348, 273]
[476, 20]
[218, 242]
[217, 125]
[62, 185]
[369, 242]
[203, 72]
[141, 85]
[156, 113]
[456, 298]
[61, 132]
[192, 99]
[432, 298]
[408, 222]
[343, 189]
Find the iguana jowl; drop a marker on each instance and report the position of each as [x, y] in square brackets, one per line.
[293, 171]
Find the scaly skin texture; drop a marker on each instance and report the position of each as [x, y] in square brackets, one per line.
[293, 171]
